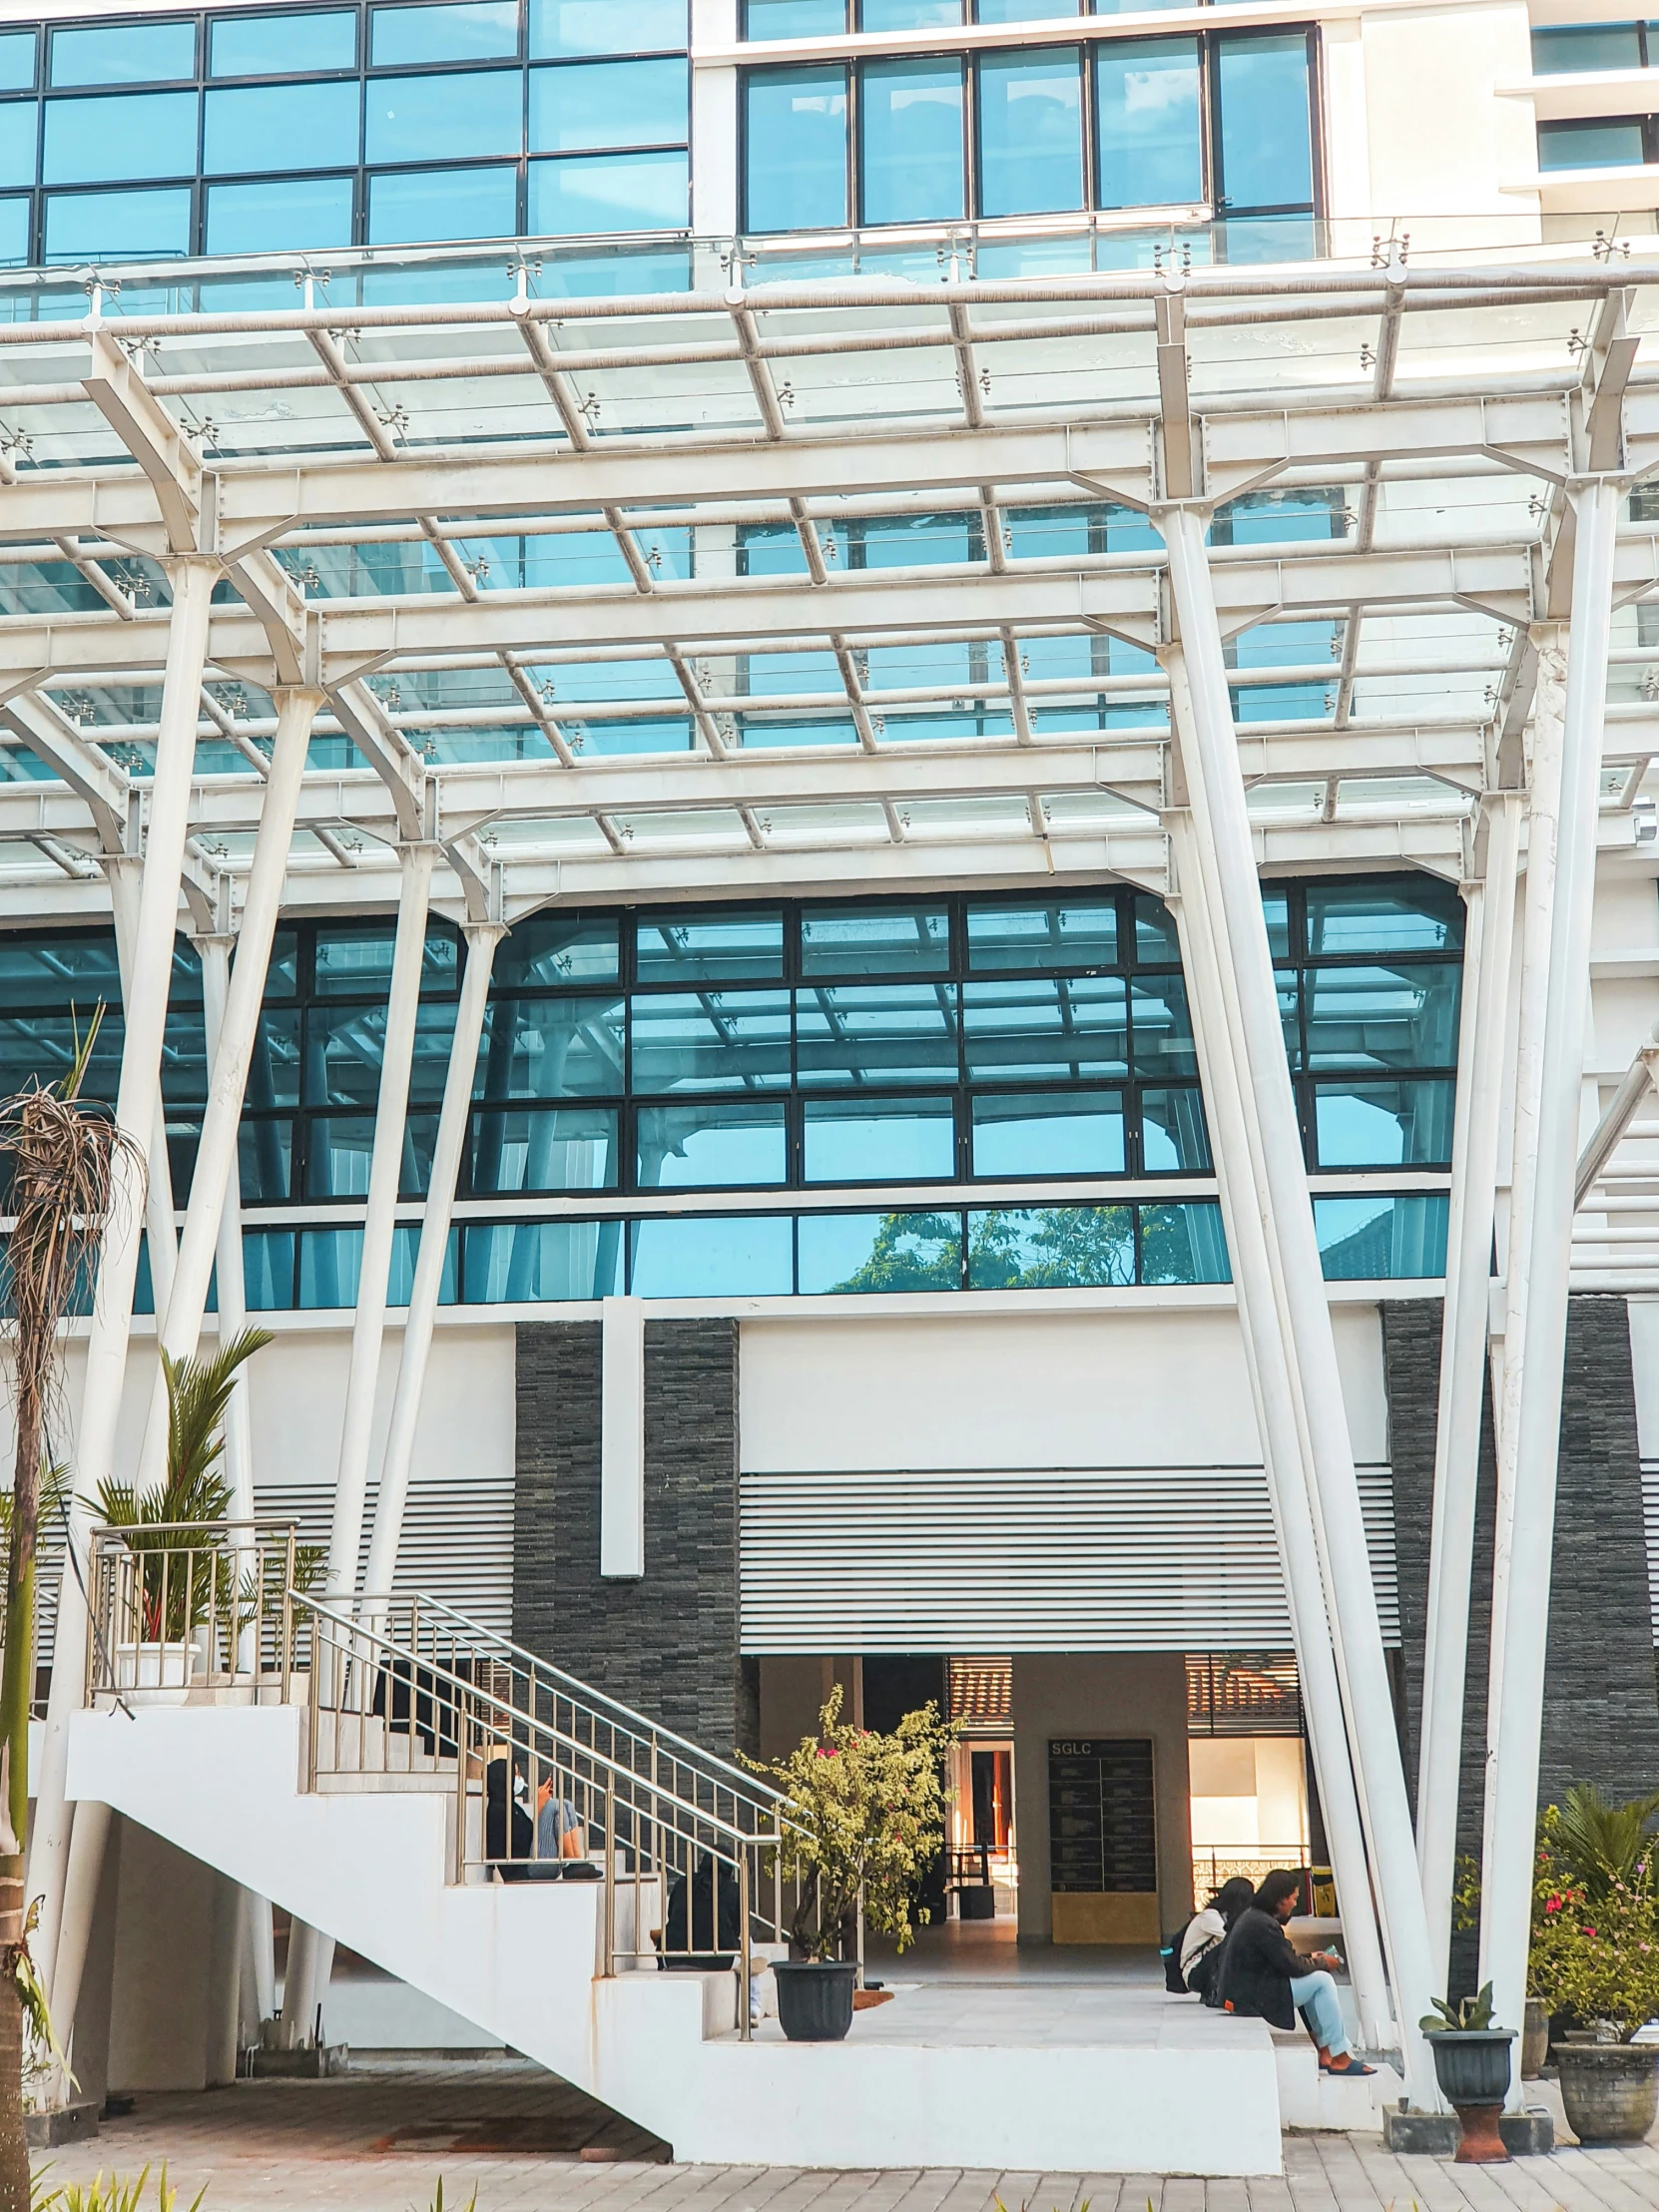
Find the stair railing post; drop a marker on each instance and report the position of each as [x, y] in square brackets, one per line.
[610, 1874]
[745, 1965]
[286, 1661]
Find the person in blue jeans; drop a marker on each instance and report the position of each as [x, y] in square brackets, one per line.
[1264, 1977]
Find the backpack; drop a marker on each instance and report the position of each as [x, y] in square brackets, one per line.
[1169, 1950]
[1203, 1976]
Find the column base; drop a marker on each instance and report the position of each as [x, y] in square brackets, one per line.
[309, 2062]
[1528, 2134]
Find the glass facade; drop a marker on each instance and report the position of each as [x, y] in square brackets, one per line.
[1224, 117]
[690, 1068]
[389, 125]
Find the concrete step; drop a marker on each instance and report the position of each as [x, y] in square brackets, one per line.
[1325, 2102]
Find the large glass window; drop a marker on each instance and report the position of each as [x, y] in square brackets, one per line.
[879, 1140]
[609, 192]
[1031, 132]
[1578, 46]
[452, 31]
[17, 142]
[317, 126]
[1149, 122]
[1264, 136]
[118, 225]
[17, 61]
[560, 27]
[430, 207]
[912, 141]
[444, 118]
[131, 135]
[794, 149]
[272, 45]
[123, 54]
[583, 105]
[299, 215]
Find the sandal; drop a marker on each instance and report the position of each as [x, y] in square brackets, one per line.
[1350, 2072]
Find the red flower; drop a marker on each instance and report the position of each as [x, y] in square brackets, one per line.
[827, 1751]
[1552, 1904]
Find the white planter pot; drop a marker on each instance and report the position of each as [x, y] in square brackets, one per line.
[156, 1673]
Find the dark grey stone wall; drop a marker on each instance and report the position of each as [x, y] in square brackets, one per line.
[1601, 1710]
[666, 1645]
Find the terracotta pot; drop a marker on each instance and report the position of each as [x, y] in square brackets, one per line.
[814, 1998]
[1535, 2039]
[1610, 2090]
[1472, 2066]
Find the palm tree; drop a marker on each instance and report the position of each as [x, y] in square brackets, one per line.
[1601, 1840]
[191, 1576]
[63, 1155]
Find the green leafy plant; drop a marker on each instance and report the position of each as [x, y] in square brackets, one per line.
[1595, 1955]
[866, 1819]
[471, 2204]
[1468, 2015]
[1601, 1840]
[187, 1575]
[70, 1169]
[113, 2195]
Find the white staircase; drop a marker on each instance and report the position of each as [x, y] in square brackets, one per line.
[373, 1830]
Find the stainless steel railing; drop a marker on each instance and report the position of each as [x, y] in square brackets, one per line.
[548, 1779]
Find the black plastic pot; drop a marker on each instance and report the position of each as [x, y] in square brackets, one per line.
[814, 1998]
[1471, 2064]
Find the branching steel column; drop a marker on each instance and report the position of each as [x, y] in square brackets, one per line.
[217, 1155]
[1513, 1774]
[1284, 1442]
[1221, 821]
[385, 1166]
[481, 941]
[1487, 963]
[232, 1298]
[126, 873]
[136, 1098]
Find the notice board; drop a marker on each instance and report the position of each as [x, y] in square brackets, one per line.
[1102, 1840]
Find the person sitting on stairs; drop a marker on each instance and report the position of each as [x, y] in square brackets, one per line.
[1264, 1977]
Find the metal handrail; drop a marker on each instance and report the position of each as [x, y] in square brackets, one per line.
[516, 1717]
[540, 1667]
[410, 1692]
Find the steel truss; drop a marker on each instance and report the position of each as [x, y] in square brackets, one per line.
[1460, 438]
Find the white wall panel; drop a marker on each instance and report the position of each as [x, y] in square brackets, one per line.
[1163, 1386]
[1012, 1483]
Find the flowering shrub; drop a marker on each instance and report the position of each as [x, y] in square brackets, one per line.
[866, 1813]
[1594, 1957]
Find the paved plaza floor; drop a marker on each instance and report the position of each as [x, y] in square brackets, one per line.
[377, 2141]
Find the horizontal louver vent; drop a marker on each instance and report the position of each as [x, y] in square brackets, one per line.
[457, 1540]
[1650, 1528]
[1089, 1559]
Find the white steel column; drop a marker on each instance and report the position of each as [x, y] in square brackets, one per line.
[232, 1301]
[1221, 823]
[1543, 807]
[137, 1100]
[1513, 1779]
[1465, 1328]
[1283, 1444]
[386, 1167]
[454, 1121]
[217, 1155]
[124, 873]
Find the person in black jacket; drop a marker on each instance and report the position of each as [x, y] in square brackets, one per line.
[1263, 1977]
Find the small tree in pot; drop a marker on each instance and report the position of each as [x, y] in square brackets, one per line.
[1471, 2064]
[1596, 1954]
[865, 1820]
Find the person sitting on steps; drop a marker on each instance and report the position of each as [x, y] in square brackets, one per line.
[1263, 1977]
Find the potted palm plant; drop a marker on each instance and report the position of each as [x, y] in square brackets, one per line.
[183, 1575]
[1471, 2064]
[864, 1820]
[1595, 1954]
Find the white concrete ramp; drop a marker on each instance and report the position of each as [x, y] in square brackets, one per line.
[1170, 2089]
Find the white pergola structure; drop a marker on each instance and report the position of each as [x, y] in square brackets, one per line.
[1477, 427]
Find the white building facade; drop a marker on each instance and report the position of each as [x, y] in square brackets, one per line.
[798, 1126]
